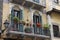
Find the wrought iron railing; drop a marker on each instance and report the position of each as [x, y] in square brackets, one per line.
[29, 30]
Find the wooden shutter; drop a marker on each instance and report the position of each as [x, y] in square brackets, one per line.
[40, 18]
[12, 15]
[34, 20]
[21, 18]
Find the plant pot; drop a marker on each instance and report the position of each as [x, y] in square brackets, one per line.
[28, 30]
[38, 25]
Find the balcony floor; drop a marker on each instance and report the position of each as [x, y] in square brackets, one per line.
[29, 34]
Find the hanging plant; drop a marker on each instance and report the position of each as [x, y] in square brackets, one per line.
[28, 30]
[38, 25]
[46, 26]
[15, 19]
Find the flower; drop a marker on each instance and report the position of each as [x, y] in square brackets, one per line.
[38, 25]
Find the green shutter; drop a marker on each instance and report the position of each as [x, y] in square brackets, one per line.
[40, 18]
[21, 14]
[12, 15]
[21, 25]
[34, 20]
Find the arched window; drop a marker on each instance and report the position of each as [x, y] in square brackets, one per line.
[37, 18]
[17, 12]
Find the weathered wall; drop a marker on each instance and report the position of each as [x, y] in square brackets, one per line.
[5, 13]
[27, 12]
[55, 17]
[51, 4]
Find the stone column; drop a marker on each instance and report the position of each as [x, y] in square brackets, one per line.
[50, 23]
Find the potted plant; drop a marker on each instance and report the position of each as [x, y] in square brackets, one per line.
[38, 25]
[46, 26]
[46, 29]
[15, 19]
[28, 30]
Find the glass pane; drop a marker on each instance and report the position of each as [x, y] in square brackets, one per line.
[56, 30]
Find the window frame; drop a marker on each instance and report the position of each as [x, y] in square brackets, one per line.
[58, 31]
[17, 13]
[37, 13]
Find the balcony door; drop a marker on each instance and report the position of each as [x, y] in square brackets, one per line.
[19, 14]
[37, 19]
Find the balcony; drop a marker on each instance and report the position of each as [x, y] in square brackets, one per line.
[31, 3]
[29, 31]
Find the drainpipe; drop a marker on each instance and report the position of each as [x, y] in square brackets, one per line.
[51, 28]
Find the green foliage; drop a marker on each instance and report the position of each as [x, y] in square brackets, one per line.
[46, 25]
[16, 19]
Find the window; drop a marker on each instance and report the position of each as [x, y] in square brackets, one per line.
[36, 1]
[56, 1]
[19, 14]
[37, 19]
[56, 31]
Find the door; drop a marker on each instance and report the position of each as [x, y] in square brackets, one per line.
[37, 19]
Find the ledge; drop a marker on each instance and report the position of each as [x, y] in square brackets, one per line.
[29, 34]
[53, 10]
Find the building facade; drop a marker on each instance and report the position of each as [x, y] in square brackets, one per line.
[53, 12]
[27, 20]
